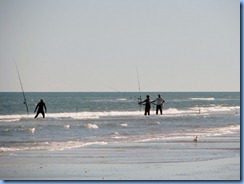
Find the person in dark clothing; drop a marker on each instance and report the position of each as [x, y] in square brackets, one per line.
[147, 105]
[41, 106]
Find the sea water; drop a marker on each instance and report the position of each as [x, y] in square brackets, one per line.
[76, 120]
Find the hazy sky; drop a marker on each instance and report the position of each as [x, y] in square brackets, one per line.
[96, 45]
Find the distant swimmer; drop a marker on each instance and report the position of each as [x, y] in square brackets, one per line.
[159, 102]
[41, 105]
[195, 139]
[147, 105]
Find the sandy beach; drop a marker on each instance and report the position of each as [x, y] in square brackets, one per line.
[113, 162]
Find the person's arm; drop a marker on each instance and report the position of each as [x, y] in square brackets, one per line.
[36, 107]
[45, 107]
[142, 102]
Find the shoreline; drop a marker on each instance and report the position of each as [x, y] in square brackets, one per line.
[113, 162]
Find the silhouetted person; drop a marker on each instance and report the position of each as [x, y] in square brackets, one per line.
[41, 105]
[159, 104]
[147, 105]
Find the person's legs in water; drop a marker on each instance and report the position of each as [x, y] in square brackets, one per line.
[157, 109]
[161, 111]
[37, 114]
[43, 114]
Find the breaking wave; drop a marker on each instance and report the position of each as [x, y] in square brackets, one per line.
[202, 99]
[51, 146]
[97, 115]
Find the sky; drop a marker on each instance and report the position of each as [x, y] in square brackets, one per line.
[101, 45]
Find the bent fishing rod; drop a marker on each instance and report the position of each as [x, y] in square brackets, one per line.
[139, 86]
[22, 89]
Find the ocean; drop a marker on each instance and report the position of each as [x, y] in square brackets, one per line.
[81, 119]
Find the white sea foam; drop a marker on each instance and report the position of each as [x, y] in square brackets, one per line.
[121, 99]
[91, 126]
[203, 110]
[201, 133]
[217, 109]
[155, 123]
[115, 133]
[13, 117]
[123, 124]
[67, 126]
[223, 130]
[96, 115]
[11, 120]
[202, 99]
[52, 146]
[32, 130]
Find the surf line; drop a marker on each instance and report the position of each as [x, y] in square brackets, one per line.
[22, 89]
[139, 86]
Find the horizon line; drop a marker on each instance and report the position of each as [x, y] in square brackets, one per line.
[119, 91]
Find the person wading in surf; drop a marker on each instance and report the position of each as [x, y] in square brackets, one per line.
[147, 105]
[41, 105]
[159, 102]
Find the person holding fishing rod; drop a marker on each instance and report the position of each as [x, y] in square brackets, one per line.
[147, 105]
[159, 103]
[41, 105]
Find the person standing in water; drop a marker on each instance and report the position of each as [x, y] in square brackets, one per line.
[159, 104]
[41, 106]
[147, 105]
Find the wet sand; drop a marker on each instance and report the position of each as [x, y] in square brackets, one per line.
[112, 162]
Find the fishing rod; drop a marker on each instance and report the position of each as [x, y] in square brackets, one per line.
[22, 89]
[139, 86]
